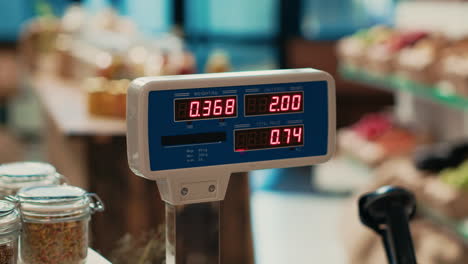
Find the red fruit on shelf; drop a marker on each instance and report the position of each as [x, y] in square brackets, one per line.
[372, 126]
[405, 39]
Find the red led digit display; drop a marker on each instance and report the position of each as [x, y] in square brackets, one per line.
[271, 137]
[205, 108]
[274, 103]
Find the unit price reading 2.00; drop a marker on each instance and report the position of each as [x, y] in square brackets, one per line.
[205, 108]
[268, 138]
[274, 103]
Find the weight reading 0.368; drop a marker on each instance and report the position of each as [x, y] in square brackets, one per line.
[274, 103]
[267, 138]
[205, 108]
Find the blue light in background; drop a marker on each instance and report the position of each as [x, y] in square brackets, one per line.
[245, 18]
[151, 16]
[333, 19]
[94, 6]
[297, 179]
[243, 56]
[15, 13]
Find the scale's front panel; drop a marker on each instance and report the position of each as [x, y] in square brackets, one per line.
[228, 125]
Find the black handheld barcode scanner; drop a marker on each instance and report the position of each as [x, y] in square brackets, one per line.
[388, 211]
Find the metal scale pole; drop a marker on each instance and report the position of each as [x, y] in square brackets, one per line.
[192, 233]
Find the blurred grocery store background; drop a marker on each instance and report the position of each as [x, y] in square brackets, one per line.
[402, 98]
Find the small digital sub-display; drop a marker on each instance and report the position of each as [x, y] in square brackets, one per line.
[205, 108]
[274, 103]
[268, 138]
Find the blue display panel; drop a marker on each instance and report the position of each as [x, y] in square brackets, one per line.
[209, 142]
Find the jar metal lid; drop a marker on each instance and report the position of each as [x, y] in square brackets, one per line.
[26, 169]
[14, 176]
[57, 199]
[6, 208]
[51, 193]
[9, 217]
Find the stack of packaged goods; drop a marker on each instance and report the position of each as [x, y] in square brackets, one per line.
[419, 62]
[107, 97]
[376, 48]
[42, 219]
[382, 57]
[454, 68]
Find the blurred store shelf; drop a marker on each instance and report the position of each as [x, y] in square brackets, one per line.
[395, 83]
[66, 104]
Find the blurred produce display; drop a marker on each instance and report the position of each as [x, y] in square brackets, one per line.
[377, 137]
[438, 176]
[441, 192]
[427, 238]
[102, 53]
[394, 154]
[424, 58]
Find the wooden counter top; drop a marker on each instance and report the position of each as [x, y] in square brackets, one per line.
[67, 106]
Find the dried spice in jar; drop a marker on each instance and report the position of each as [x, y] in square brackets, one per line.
[8, 254]
[62, 242]
[10, 225]
[17, 175]
[55, 223]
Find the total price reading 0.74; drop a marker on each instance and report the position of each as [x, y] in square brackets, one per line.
[274, 103]
[205, 108]
[267, 138]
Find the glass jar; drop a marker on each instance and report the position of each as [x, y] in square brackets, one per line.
[10, 225]
[55, 223]
[14, 176]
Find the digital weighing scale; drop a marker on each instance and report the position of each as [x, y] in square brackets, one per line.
[189, 133]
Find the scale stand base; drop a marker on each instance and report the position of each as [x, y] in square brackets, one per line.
[192, 233]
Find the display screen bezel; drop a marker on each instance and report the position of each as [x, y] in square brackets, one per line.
[278, 113]
[269, 127]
